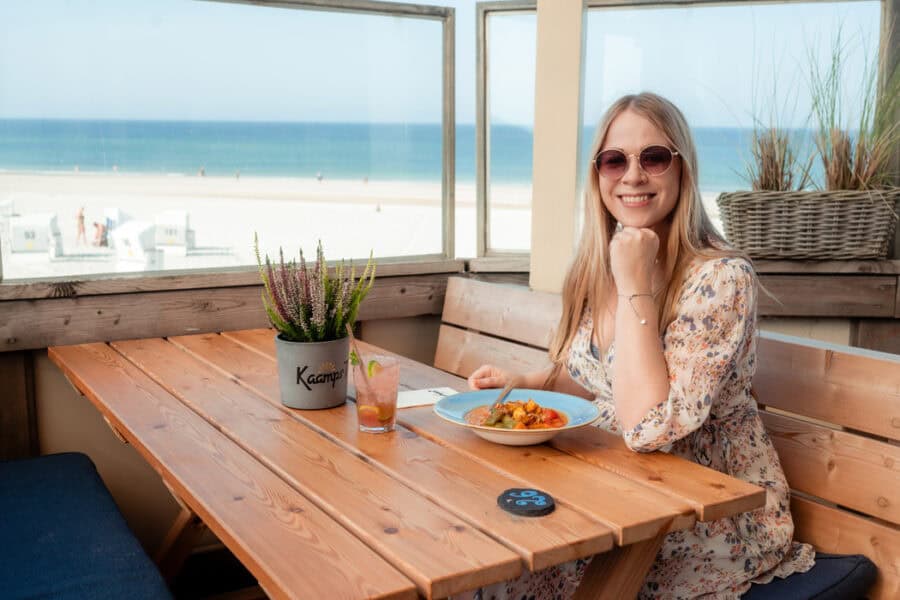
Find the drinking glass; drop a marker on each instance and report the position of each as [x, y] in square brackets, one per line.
[376, 394]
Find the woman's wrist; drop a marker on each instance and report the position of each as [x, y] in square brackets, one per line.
[640, 306]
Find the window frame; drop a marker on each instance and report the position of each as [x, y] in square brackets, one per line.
[486, 257]
[162, 280]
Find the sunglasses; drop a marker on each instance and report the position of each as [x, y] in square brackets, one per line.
[653, 160]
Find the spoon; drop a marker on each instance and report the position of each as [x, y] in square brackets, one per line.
[513, 381]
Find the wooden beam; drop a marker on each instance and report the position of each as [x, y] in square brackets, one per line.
[18, 424]
[26, 324]
[94, 285]
[828, 296]
[828, 267]
[501, 264]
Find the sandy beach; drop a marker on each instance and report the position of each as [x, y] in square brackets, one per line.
[392, 218]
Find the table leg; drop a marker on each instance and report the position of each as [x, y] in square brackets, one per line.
[619, 573]
[183, 535]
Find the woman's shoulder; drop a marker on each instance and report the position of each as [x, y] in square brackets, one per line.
[728, 267]
[708, 275]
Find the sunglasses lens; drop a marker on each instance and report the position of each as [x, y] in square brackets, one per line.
[656, 159]
[611, 163]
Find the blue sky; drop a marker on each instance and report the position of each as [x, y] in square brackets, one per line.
[186, 59]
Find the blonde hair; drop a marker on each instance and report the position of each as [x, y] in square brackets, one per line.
[691, 234]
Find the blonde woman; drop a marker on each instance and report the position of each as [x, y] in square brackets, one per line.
[658, 328]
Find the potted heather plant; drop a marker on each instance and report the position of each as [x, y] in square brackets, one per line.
[311, 308]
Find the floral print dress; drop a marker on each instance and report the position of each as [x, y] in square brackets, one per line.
[710, 418]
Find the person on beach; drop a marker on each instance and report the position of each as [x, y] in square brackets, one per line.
[81, 236]
[100, 234]
[659, 329]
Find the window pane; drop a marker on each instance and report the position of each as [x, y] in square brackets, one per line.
[510, 84]
[174, 130]
[721, 65]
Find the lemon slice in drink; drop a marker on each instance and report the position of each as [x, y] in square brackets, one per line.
[373, 368]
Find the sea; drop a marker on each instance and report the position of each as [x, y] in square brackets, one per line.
[350, 151]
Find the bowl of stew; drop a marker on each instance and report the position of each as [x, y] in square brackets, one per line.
[524, 418]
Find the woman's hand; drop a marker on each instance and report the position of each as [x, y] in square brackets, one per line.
[488, 376]
[632, 254]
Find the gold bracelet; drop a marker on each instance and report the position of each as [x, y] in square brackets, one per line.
[631, 304]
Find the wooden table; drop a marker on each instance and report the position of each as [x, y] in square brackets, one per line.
[314, 508]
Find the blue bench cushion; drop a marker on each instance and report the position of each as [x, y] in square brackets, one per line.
[833, 577]
[62, 536]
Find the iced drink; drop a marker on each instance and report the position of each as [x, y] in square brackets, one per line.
[376, 394]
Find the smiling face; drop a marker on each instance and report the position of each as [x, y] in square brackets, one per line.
[637, 199]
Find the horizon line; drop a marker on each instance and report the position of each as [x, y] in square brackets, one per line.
[328, 122]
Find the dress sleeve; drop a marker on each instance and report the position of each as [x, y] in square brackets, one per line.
[713, 329]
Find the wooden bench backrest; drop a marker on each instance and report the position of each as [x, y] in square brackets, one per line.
[833, 413]
[509, 326]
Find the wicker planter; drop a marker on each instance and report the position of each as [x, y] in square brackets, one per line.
[820, 225]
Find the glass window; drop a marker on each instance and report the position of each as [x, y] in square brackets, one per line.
[724, 66]
[511, 54]
[162, 135]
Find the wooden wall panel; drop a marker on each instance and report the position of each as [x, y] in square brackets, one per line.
[882, 335]
[18, 424]
[828, 296]
[48, 322]
[127, 283]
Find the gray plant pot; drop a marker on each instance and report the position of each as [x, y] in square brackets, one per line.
[312, 375]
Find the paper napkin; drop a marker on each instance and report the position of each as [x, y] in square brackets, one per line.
[422, 397]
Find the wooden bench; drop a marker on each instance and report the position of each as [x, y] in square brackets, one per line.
[833, 413]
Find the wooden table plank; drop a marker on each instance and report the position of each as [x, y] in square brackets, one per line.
[267, 524]
[713, 495]
[634, 511]
[466, 487]
[439, 552]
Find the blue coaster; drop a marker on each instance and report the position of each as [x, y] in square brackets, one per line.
[526, 502]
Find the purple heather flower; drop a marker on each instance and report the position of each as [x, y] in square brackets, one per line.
[307, 293]
[318, 304]
[277, 297]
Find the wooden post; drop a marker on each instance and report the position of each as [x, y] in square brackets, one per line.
[18, 424]
[890, 43]
[557, 129]
[181, 539]
[619, 573]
